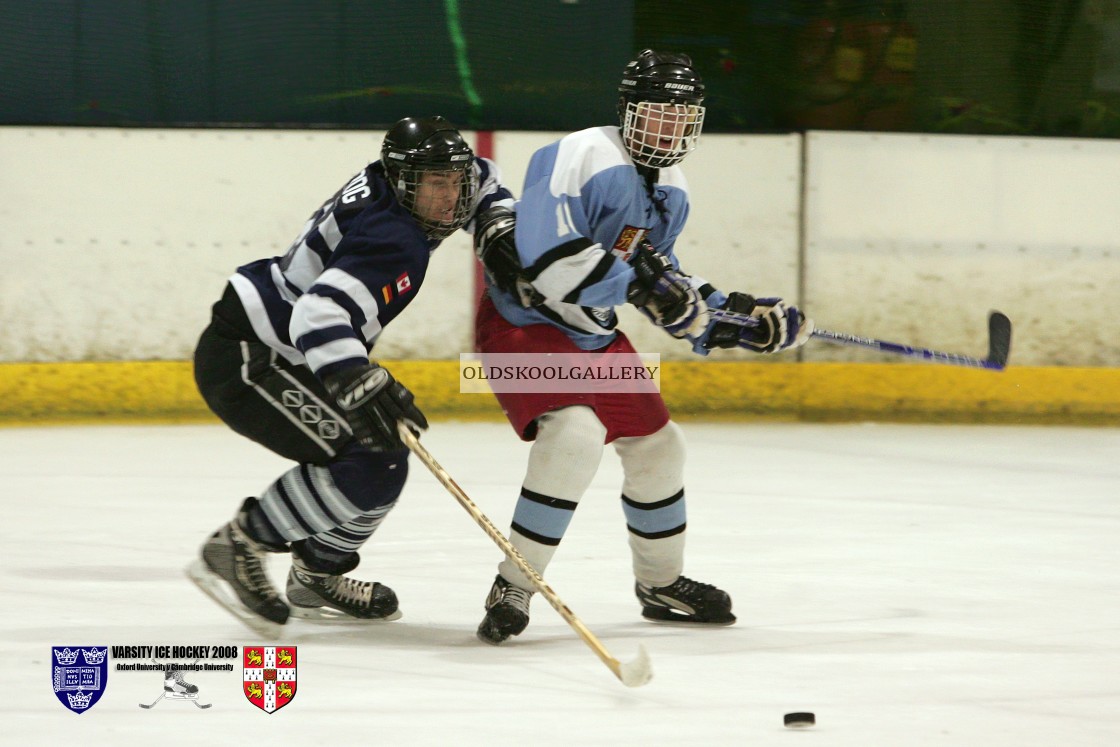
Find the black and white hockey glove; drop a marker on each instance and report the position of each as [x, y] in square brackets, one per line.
[781, 327]
[495, 248]
[373, 401]
[666, 295]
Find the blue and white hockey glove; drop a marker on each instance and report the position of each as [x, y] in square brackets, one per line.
[780, 327]
[373, 401]
[666, 295]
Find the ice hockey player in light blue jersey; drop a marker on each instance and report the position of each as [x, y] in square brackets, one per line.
[585, 211]
[596, 227]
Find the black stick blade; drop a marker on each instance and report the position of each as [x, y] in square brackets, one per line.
[999, 338]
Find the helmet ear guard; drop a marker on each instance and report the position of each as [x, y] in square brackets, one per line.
[414, 147]
[660, 108]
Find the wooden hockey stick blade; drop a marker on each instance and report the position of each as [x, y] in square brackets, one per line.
[637, 672]
[632, 674]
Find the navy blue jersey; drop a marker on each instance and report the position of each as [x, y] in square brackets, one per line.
[584, 211]
[357, 264]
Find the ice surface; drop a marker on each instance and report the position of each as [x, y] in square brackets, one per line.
[911, 585]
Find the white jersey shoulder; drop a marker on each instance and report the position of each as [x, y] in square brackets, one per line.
[582, 155]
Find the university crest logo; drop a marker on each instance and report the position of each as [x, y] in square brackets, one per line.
[269, 676]
[78, 674]
[628, 241]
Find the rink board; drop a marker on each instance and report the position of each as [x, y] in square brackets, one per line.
[165, 390]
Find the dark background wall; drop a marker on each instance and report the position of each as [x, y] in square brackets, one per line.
[1047, 67]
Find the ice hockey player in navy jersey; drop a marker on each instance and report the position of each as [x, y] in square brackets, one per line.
[286, 362]
[594, 229]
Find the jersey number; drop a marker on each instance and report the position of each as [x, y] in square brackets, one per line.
[564, 224]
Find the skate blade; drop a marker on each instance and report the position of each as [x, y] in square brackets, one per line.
[215, 587]
[188, 698]
[329, 616]
[663, 616]
[491, 640]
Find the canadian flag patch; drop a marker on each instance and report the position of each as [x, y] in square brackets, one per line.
[404, 284]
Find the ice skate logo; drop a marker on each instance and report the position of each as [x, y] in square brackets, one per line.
[269, 676]
[175, 687]
[79, 686]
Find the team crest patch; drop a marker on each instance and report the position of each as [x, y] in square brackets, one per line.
[78, 674]
[269, 676]
[628, 241]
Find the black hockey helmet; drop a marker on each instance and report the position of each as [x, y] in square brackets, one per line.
[418, 145]
[659, 88]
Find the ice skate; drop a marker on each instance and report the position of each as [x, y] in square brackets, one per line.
[507, 612]
[685, 601]
[329, 596]
[176, 688]
[232, 572]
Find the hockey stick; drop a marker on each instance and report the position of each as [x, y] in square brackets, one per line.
[174, 696]
[192, 700]
[153, 702]
[999, 341]
[633, 673]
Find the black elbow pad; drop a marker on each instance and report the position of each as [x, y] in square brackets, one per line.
[495, 248]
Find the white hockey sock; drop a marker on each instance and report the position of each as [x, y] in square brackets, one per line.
[653, 502]
[563, 461]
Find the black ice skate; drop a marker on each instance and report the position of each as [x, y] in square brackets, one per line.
[507, 612]
[329, 596]
[176, 688]
[232, 572]
[687, 601]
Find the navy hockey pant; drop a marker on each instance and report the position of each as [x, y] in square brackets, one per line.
[340, 491]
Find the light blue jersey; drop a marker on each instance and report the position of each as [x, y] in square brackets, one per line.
[584, 211]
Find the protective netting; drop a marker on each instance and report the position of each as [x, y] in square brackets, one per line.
[1039, 67]
[1044, 67]
[354, 63]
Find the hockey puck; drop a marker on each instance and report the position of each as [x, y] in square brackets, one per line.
[800, 720]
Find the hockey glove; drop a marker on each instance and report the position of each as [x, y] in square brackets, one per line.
[781, 327]
[373, 401]
[495, 248]
[666, 295]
